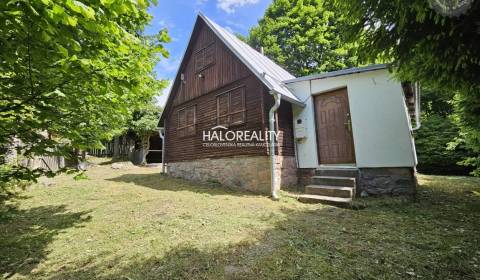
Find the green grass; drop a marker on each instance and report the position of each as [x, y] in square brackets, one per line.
[137, 224]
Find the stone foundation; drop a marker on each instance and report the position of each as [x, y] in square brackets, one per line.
[286, 171]
[374, 181]
[251, 173]
[305, 176]
[387, 181]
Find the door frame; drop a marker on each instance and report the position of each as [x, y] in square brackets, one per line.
[314, 95]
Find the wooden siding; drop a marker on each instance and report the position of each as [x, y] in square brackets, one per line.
[191, 147]
[226, 73]
[286, 146]
[225, 69]
[284, 125]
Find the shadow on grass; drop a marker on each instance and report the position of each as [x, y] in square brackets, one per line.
[108, 161]
[26, 233]
[433, 238]
[159, 181]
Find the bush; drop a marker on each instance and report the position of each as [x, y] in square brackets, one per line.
[9, 188]
[432, 141]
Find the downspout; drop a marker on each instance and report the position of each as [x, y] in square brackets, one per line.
[271, 118]
[161, 133]
[417, 107]
[417, 124]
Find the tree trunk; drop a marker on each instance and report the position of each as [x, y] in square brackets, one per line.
[116, 147]
[82, 164]
[145, 149]
[11, 155]
[131, 149]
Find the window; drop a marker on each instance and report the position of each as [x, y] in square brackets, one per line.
[231, 107]
[186, 121]
[205, 57]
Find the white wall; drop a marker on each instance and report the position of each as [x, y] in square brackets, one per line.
[381, 130]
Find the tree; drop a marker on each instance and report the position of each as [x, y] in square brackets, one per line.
[143, 123]
[303, 37]
[72, 73]
[436, 155]
[425, 45]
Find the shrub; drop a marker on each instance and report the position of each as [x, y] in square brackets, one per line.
[432, 143]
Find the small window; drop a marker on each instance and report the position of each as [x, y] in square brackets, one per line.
[205, 57]
[186, 121]
[231, 107]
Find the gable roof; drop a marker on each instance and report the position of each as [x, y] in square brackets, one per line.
[267, 71]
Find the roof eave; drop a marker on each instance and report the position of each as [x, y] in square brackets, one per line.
[343, 72]
[295, 102]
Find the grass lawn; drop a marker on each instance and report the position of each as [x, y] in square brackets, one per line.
[137, 224]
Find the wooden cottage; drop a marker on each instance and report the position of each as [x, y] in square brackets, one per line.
[235, 117]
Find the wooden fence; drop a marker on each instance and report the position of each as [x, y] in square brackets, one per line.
[52, 163]
[119, 147]
[106, 152]
[9, 155]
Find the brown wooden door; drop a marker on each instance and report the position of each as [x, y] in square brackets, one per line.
[334, 129]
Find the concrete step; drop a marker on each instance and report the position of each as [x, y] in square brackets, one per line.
[334, 181]
[337, 172]
[335, 191]
[311, 198]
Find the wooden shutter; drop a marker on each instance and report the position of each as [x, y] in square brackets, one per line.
[222, 109]
[237, 106]
[181, 123]
[186, 121]
[231, 107]
[209, 55]
[205, 57]
[199, 60]
[190, 119]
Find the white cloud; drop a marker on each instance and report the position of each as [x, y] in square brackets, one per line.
[162, 99]
[200, 2]
[199, 5]
[168, 66]
[163, 24]
[229, 6]
[229, 29]
[236, 24]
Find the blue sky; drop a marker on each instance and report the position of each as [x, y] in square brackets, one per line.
[178, 16]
